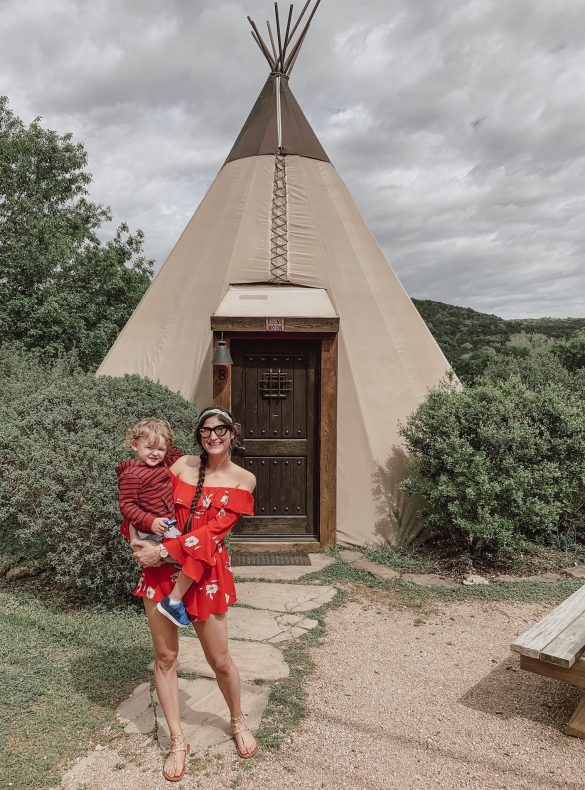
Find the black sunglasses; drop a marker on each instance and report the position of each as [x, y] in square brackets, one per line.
[219, 430]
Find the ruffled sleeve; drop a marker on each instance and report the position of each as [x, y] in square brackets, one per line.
[196, 550]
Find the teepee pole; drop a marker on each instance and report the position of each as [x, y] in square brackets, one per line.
[259, 40]
[299, 43]
[272, 44]
[302, 14]
[280, 59]
[296, 54]
[286, 38]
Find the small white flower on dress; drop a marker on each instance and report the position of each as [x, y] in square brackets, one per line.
[211, 589]
[221, 513]
[206, 501]
[228, 566]
[150, 592]
[224, 500]
[175, 576]
[227, 598]
[220, 547]
[191, 541]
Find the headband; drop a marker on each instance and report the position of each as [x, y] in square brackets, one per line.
[223, 412]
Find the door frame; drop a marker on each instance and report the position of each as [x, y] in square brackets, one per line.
[324, 330]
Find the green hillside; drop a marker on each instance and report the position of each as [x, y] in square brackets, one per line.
[469, 338]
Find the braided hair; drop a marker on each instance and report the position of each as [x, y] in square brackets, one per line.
[224, 416]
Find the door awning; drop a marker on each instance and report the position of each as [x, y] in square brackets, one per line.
[285, 308]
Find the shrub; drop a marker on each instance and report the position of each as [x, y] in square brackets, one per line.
[61, 436]
[501, 463]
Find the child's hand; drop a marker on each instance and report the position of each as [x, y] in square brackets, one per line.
[159, 527]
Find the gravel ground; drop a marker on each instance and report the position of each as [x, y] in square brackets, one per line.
[401, 698]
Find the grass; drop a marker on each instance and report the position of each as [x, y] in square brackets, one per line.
[405, 559]
[63, 673]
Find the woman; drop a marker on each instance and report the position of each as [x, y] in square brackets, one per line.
[211, 493]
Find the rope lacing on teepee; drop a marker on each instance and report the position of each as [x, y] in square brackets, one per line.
[279, 223]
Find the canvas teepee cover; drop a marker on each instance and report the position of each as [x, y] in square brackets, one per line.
[387, 357]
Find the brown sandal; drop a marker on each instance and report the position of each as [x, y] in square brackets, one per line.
[239, 725]
[177, 745]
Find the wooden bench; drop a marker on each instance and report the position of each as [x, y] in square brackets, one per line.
[553, 648]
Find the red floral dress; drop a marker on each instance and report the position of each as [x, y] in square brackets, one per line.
[201, 551]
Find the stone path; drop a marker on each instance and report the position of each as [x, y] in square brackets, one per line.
[268, 613]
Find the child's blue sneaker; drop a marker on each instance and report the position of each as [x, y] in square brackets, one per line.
[175, 612]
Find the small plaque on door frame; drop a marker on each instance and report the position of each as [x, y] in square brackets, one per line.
[274, 325]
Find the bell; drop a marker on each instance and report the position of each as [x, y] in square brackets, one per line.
[221, 355]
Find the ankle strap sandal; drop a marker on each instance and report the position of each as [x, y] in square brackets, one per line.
[178, 744]
[239, 726]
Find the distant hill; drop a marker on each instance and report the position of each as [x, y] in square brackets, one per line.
[461, 331]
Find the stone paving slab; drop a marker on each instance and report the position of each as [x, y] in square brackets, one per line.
[576, 571]
[428, 580]
[253, 659]
[539, 577]
[205, 716]
[265, 626]
[137, 712]
[379, 571]
[348, 555]
[474, 578]
[284, 597]
[283, 572]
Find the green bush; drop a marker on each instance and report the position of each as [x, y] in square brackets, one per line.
[501, 463]
[61, 436]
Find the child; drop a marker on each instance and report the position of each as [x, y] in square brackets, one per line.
[145, 492]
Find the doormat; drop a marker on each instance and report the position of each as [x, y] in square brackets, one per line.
[270, 558]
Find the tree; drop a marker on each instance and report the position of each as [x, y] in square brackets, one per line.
[571, 352]
[61, 287]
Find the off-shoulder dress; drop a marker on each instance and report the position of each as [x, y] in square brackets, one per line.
[201, 552]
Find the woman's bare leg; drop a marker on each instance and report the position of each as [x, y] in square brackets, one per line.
[165, 638]
[213, 637]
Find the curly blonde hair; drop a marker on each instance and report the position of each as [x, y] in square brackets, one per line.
[150, 427]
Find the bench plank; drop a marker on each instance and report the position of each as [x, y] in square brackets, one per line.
[535, 641]
[568, 645]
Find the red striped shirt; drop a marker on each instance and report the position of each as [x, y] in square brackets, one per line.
[145, 492]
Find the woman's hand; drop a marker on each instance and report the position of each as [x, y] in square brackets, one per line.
[146, 553]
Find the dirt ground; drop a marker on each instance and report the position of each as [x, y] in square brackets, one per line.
[400, 698]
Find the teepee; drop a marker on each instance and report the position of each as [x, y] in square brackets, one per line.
[329, 353]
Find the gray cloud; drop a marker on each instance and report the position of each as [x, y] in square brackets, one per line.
[457, 124]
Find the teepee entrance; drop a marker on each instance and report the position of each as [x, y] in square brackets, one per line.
[275, 388]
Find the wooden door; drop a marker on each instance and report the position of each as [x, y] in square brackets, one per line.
[275, 399]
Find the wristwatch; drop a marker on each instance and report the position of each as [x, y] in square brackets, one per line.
[163, 552]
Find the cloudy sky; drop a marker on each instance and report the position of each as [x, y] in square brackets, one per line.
[458, 125]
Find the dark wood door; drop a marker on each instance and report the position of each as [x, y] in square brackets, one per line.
[275, 399]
